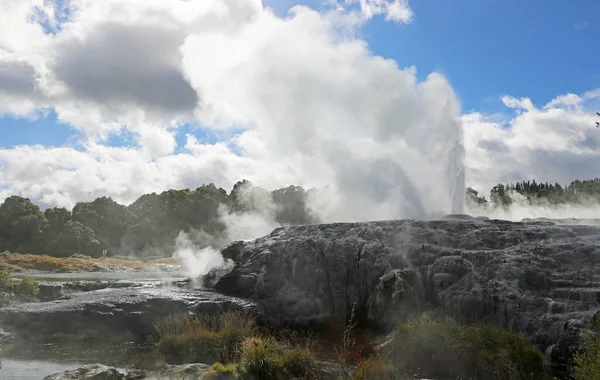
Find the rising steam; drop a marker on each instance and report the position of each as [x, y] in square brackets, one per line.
[198, 261]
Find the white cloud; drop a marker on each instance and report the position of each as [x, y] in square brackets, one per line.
[557, 142]
[393, 10]
[318, 108]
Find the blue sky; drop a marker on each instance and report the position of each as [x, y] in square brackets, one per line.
[292, 92]
[489, 48]
[486, 48]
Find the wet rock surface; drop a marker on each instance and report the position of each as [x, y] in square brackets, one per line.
[112, 314]
[89, 372]
[193, 371]
[532, 277]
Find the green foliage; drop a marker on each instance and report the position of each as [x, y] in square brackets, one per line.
[218, 369]
[262, 357]
[207, 339]
[443, 348]
[149, 226]
[231, 338]
[576, 192]
[108, 219]
[374, 368]
[21, 225]
[299, 362]
[473, 198]
[266, 357]
[28, 288]
[5, 280]
[586, 364]
[499, 195]
[75, 237]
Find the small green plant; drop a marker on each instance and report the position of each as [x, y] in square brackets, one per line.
[262, 357]
[5, 280]
[218, 369]
[28, 288]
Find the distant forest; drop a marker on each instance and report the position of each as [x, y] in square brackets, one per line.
[538, 192]
[150, 225]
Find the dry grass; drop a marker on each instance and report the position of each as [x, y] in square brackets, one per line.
[210, 338]
[17, 262]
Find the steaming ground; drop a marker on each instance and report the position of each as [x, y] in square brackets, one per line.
[521, 210]
[259, 220]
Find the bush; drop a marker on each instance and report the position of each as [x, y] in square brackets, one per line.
[262, 357]
[207, 339]
[441, 347]
[5, 280]
[586, 363]
[28, 288]
[218, 369]
[376, 369]
[299, 362]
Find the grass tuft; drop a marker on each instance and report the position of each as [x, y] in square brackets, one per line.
[219, 370]
[205, 339]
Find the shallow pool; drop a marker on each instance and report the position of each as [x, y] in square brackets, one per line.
[108, 276]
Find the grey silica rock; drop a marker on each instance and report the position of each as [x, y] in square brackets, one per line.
[535, 277]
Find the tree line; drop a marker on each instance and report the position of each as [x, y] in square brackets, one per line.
[148, 226]
[503, 195]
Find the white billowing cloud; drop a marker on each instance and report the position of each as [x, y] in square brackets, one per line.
[393, 10]
[313, 94]
[316, 106]
[558, 142]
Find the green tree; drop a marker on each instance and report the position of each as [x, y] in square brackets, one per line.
[107, 218]
[77, 238]
[21, 225]
[292, 206]
[473, 198]
[499, 195]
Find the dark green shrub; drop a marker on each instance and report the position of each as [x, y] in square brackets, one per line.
[586, 364]
[262, 357]
[443, 348]
[28, 288]
[5, 280]
[299, 362]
